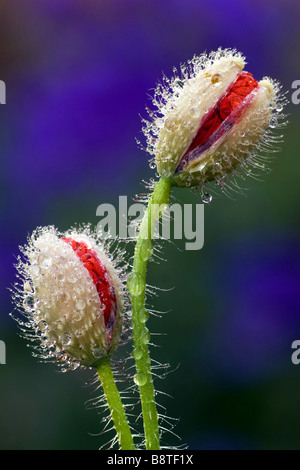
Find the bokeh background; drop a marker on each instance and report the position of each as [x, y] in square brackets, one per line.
[78, 75]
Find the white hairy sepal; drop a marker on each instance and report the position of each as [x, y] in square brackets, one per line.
[61, 302]
[182, 107]
[242, 141]
[188, 102]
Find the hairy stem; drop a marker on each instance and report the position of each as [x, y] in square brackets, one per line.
[137, 285]
[115, 405]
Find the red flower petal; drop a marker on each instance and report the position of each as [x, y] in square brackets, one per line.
[99, 275]
[234, 97]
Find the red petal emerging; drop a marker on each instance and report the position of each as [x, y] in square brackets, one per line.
[233, 98]
[99, 275]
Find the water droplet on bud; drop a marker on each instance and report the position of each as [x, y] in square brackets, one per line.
[29, 303]
[43, 325]
[46, 263]
[80, 304]
[97, 353]
[195, 112]
[273, 122]
[27, 287]
[77, 315]
[35, 270]
[65, 340]
[206, 198]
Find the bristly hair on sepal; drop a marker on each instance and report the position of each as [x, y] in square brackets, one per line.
[70, 297]
[214, 123]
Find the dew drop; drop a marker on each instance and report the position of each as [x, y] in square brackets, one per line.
[179, 83]
[72, 279]
[27, 287]
[146, 336]
[135, 284]
[77, 315]
[140, 379]
[146, 249]
[217, 167]
[46, 263]
[206, 198]
[195, 112]
[97, 353]
[273, 122]
[143, 315]
[65, 340]
[61, 356]
[80, 304]
[137, 353]
[35, 270]
[29, 303]
[43, 325]
[152, 165]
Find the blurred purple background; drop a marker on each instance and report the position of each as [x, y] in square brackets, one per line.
[78, 76]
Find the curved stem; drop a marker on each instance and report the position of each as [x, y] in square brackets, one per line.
[115, 405]
[136, 286]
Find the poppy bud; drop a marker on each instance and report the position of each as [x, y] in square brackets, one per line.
[72, 297]
[213, 119]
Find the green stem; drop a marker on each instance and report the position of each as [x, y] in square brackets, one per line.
[136, 286]
[115, 405]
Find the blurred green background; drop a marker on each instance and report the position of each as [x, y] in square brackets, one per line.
[78, 77]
